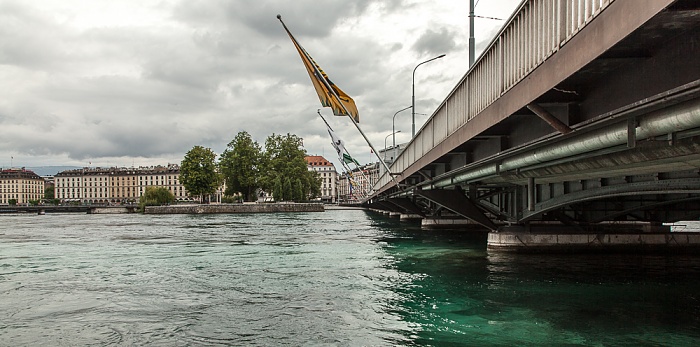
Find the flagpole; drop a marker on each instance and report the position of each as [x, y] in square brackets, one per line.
[325, 82]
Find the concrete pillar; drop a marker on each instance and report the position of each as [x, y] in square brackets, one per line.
[406, 217]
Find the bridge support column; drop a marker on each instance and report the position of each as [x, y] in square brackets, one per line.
[452, 223]
[409, 216]
[651, 239]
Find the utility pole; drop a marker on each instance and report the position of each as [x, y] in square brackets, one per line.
[471, 33]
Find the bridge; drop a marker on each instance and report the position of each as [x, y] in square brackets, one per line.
[580, 120]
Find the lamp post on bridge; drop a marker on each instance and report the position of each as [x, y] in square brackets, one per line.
[413, 95]
[393, 127]
[471, 33]
[392, 134]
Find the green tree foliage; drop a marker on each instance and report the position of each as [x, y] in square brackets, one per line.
[287, 190]
[277, 189]
[156, 196]
[298, 191]
[12, 202]
[240, 166]
[49, 192]
[198, 172]
[315, 188]
[284, 158]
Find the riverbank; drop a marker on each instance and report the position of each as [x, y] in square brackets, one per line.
[234, 208]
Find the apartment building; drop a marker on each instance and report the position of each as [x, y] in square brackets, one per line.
[326, 171]
[116, 185]
[20, 185]
[355, 185]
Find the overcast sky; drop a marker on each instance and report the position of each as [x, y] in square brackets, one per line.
[122, 83]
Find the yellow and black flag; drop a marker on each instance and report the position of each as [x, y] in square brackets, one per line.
[329, 94]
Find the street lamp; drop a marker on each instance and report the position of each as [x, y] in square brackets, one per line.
[393, 128]
[413, 94]
[392, 133]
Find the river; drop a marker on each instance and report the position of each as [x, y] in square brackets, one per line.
[337, 278]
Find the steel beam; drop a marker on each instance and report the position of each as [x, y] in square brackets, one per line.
[407, 205]
[671, 186]
[554, 122]
[457, 202]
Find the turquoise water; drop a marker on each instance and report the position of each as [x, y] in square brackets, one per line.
[338, 278]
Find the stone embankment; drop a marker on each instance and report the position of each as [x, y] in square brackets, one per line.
[233, 208]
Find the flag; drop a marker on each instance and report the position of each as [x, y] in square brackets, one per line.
[337, 142]
[339, 145]
[340, 148]
[328, 93]
[348, 159]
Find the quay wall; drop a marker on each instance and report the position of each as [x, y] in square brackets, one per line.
[233, 208]
[112, 210]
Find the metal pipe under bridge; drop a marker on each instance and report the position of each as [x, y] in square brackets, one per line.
[581, 117]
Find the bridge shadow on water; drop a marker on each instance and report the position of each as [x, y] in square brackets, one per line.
[459, 294]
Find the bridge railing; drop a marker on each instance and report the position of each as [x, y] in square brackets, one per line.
[535, 31]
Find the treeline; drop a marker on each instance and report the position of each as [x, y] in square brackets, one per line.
[246, 168]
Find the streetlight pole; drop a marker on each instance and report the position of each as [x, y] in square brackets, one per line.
[471, 33]
[393, 127]
[413, 95]
[392, 133]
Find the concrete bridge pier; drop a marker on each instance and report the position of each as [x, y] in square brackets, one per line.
[410, 217]
[613, 237]
[451, 223]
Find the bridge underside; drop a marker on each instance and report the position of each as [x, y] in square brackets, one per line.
[614, 143]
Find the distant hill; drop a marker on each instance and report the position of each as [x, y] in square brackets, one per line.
[51, 170]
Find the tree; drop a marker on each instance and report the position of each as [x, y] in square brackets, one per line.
[198, 172]
[287, 190]
[284, 158]
[277, 189]
[49, 192]
[240, 166]
[315, 185]
[298, 191]
[156, 196]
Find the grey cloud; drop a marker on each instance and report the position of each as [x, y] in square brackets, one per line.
[28, 39]
[305, 17]
[435, 42]
[208, 71]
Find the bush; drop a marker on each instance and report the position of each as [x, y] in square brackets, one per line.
[231, 199]
[155, 196]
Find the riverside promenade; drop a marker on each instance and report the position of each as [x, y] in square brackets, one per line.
[235, 208]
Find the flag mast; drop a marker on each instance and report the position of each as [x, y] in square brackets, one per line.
[326, 84]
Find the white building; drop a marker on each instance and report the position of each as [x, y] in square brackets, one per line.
[116, 185]
[326, 171]
[20, 186]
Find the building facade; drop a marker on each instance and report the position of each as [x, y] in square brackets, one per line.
[355, 186]
[326, 171]
[20, 186]
[116, 185]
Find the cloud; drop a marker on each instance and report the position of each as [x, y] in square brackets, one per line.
[435, 42]
[141, 82]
